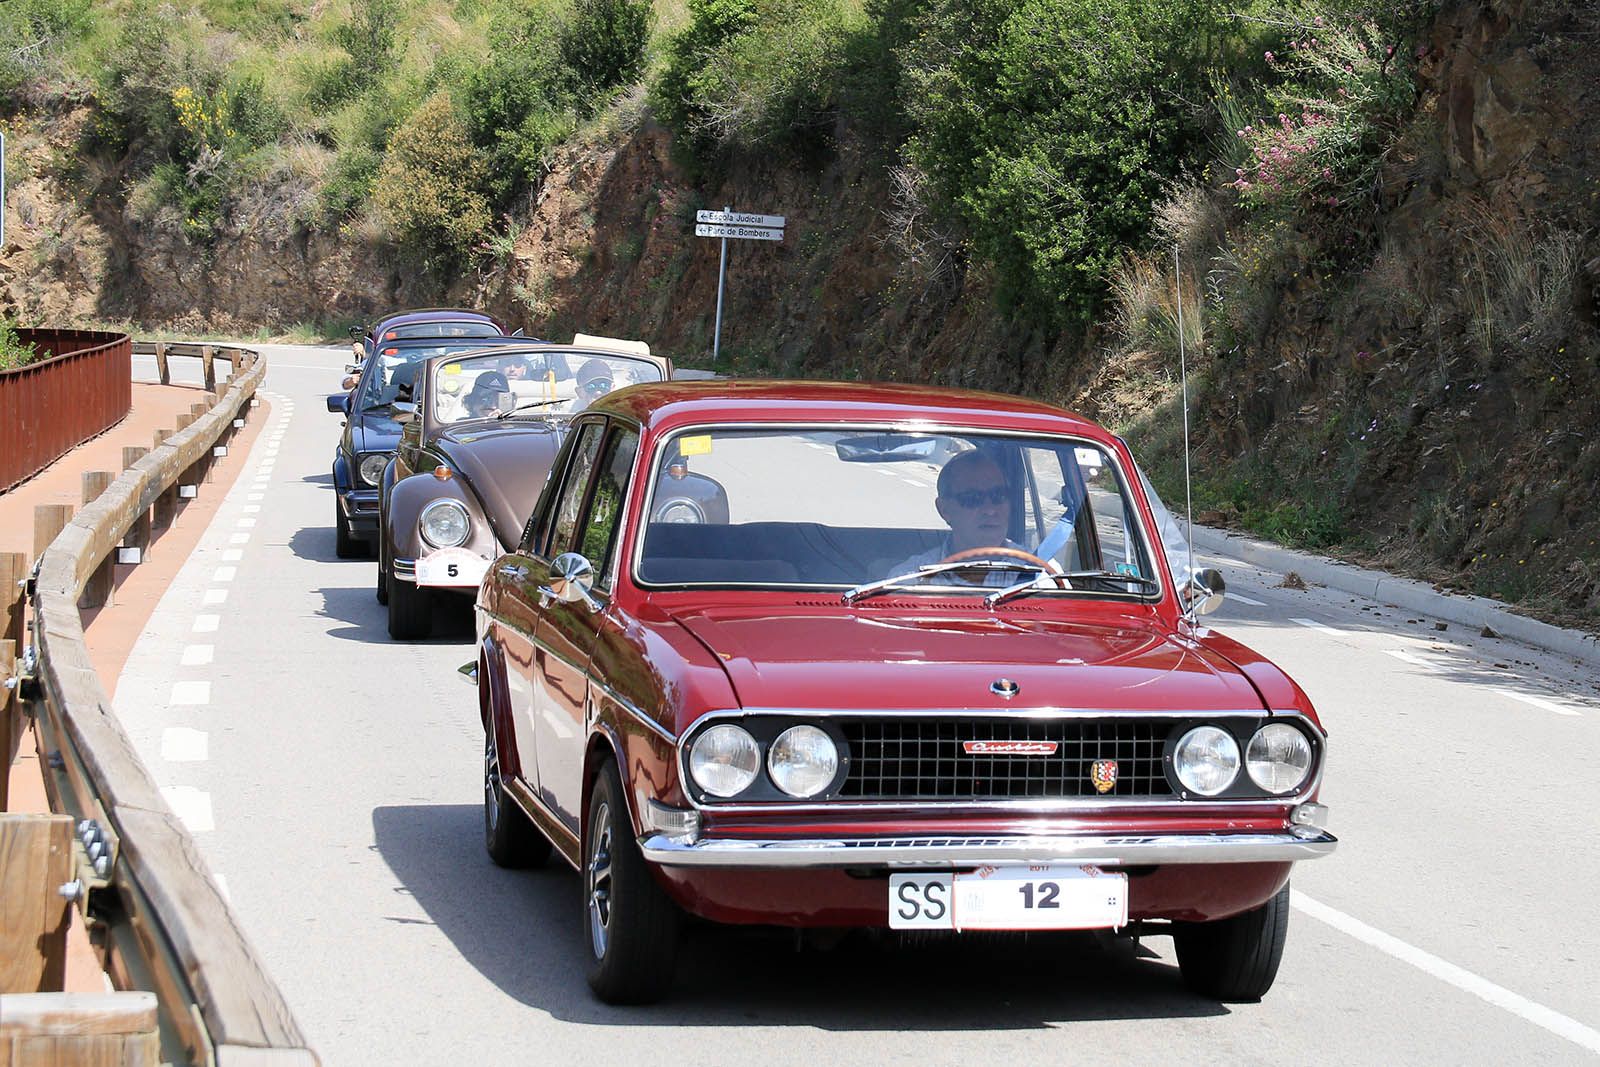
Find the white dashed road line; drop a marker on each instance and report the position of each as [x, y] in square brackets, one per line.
[1415, 661]
[207, 624]
[192, 806]
[190, 693]
[197, 655]
[1315, 625]
[1536, 702]
[180, 744]
[1241, 598]
[1464, 980]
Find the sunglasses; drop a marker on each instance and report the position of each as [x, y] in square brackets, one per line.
[597, 385]
[977, 498]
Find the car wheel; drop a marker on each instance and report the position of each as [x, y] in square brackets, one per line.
[1235, 958]
[632, 925]
[410, 610]
[344, 546]
[508, 834]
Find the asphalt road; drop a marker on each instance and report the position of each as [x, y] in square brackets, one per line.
[332, 779]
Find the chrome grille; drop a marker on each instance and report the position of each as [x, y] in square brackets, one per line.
[926, 759]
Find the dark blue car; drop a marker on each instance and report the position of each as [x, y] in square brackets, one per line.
[418, 323]
[371, 434]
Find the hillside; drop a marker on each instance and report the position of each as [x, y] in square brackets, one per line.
[1394, 352]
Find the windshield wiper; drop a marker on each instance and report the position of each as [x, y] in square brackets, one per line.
[530, 404]
[1064, 581]
[928, 570]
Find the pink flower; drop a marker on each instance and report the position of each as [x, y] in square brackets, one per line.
[1271, 58]
[1318, 21]
[1327, 172]
[1333, 201]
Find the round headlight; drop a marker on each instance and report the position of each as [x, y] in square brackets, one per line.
[724, 760]
[802, 761]
[371, 467]
[1206, 760]
[681, 511]
[445, 524]
[1278, 758]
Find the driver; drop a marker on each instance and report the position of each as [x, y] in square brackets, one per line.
[483, 399]
[975, 500]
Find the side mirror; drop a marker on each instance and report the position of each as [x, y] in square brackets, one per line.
[1206, 591]
[358, 332]
[571, 579]
[402, 411]
[339, 402]
[518, 332]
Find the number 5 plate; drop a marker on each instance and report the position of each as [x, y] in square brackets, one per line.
[451, 566]
[1040, 897]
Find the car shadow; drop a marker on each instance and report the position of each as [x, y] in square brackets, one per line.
[523, 930]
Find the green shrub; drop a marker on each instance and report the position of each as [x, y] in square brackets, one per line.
[518, 105]
[348, 186]
[33, 33]
[428, 187]
[14, 352]
[602, 43]
[1051, 126]
[688, 75]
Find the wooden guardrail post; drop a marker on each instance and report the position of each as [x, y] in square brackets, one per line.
[80, 1028]
[13, 572]
[138, 535]
[161, 363]
[202, 466]
[97, 590]
[11, 727]
[208, 367]
[35, 861]
[166, 505]
[48, 521]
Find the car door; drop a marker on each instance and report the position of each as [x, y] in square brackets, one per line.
[567, 629]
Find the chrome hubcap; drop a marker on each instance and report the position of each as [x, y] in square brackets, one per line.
[599, 878]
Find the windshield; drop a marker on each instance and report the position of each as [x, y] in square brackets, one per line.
[465, 328]
[489, 386]
[396, 366]
[845, 508]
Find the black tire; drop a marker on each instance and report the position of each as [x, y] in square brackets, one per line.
[344, 545]
[410, 610]
[632, 925]
[383, 566]
[1235, 959]
[508, 834]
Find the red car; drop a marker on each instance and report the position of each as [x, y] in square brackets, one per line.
[836, 655]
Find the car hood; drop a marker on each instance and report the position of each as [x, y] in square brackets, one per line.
[880, 659]
[374, 432]
[506, 466]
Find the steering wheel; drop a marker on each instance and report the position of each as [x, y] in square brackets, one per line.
[1049, 566]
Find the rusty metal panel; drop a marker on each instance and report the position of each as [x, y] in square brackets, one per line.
[83, 389]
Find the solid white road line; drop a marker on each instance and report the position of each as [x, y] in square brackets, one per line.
[1537, 703]
[191, 805]
[1315, 625]
[180, 744]
[207, 624]
[191, 693]
[1241, 598]
[1464, 980]
[197, 655]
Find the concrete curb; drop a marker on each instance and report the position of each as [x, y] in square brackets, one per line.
[1412, 595]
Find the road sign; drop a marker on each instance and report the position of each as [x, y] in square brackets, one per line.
[739, 218]
[748, 233]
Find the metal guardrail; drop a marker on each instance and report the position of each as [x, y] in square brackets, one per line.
[157, 916]
[55, 404]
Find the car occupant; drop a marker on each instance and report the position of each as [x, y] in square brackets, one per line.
[516, 368]
[975, 500]
[594, 382]
[483, 399]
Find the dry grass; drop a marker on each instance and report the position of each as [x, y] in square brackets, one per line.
[1522, 278]
[1193, 218]
[1148, 306]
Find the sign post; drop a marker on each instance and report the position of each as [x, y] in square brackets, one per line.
[738, 225]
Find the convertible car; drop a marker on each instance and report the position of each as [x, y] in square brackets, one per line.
[836, 655]
[371, 434]
[480, 431]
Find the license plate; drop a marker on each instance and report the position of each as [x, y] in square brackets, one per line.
[1039, 897]
[451, 566]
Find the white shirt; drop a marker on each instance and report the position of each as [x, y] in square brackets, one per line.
[991, 578]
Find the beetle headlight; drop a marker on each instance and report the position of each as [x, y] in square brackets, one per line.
[724, 760]
[802, 761]
[680, 511]
[445, 524]
[1278, 758]
[371, 467]
[1206, 760]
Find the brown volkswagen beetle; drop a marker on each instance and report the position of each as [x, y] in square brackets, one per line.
[480, 432]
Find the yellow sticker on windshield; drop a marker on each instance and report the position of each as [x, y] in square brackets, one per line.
[698, 445]
[452, 368]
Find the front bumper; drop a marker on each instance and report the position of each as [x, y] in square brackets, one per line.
[948, 852]
[360, 508]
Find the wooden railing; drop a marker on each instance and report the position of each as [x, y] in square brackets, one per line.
[55, 404]
[140, 878]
